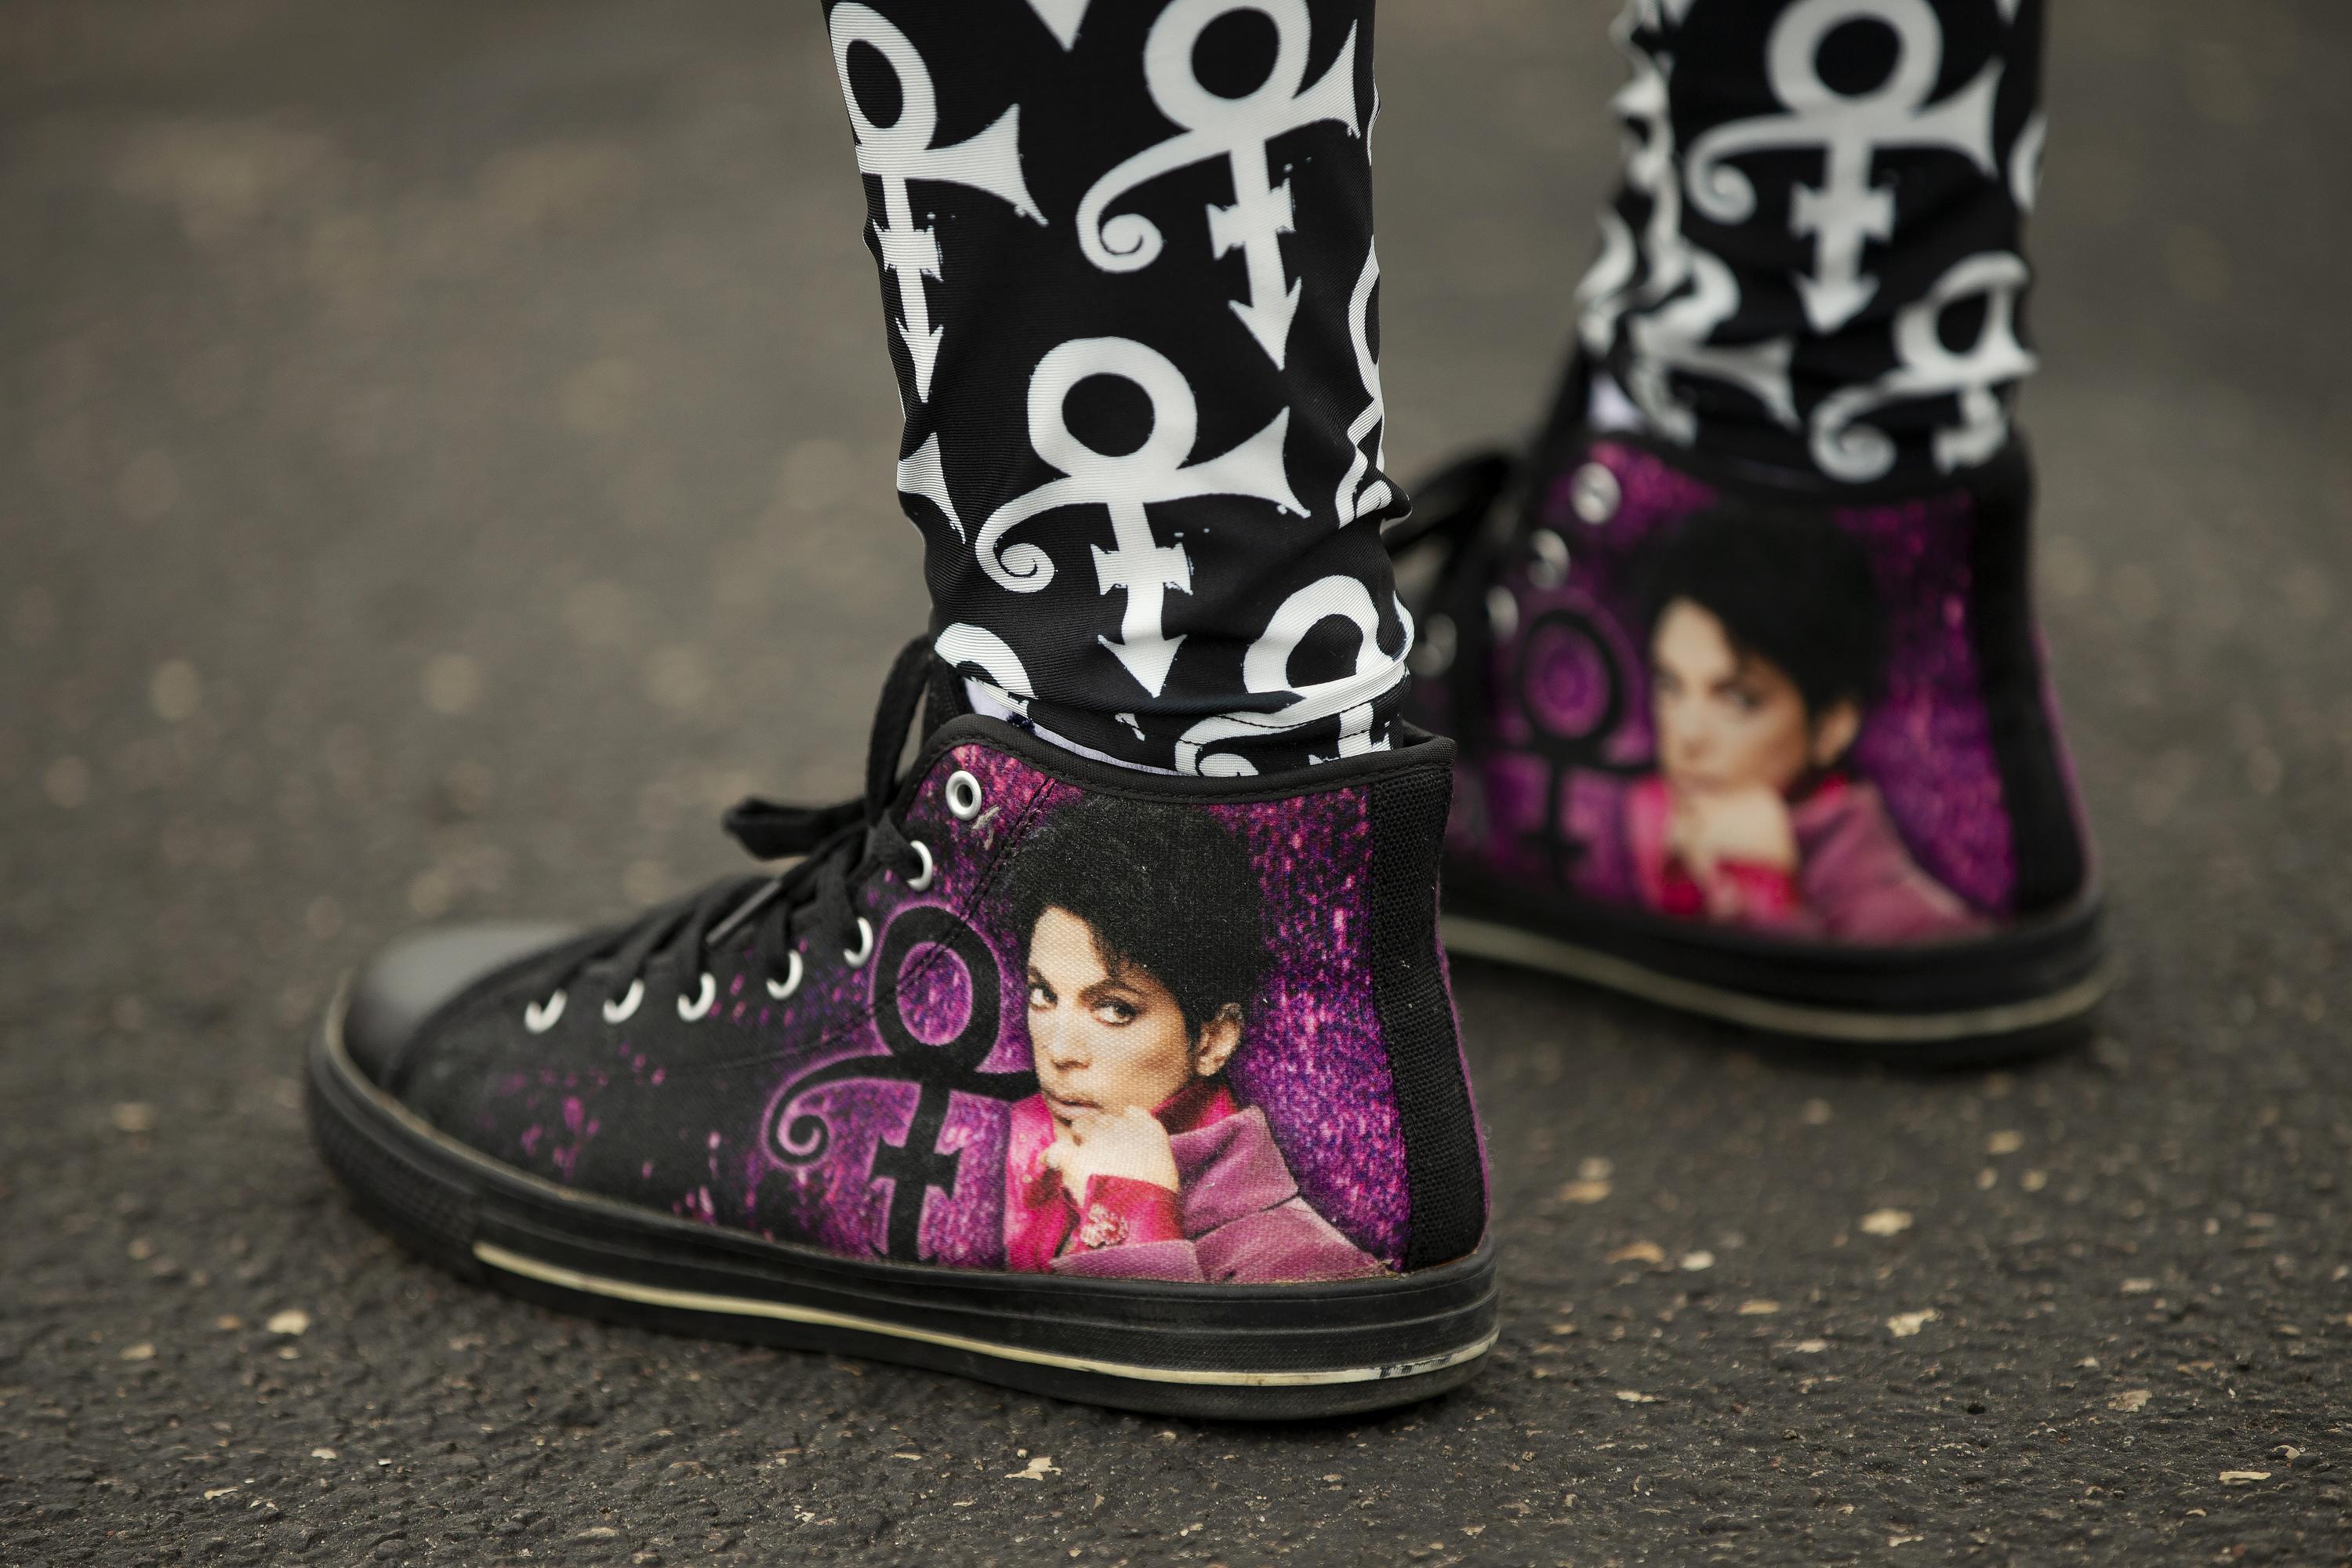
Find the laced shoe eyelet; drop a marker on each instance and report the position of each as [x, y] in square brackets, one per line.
[700, 1008]
[1550, 567]
[855, 957]
[791, 981]
[1432, 651]
[922, 878]
[541, 1016]
[1594, 494]
[1501, 611]
[621, 1011]
[963, 794]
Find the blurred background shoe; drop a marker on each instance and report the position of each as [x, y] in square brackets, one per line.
[1754, 747]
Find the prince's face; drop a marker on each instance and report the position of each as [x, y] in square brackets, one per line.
[1102, 1037]
[1728, 720]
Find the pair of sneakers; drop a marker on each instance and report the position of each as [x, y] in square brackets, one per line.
[1146, 1091]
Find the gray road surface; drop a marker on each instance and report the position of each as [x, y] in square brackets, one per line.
[443, 458]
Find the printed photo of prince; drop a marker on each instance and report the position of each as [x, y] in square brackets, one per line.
[1144, 952]
[1767, 646]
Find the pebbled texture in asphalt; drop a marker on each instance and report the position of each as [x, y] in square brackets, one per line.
[443, 457]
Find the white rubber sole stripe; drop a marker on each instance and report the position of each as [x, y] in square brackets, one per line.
[1509, 944]
[749, 1307]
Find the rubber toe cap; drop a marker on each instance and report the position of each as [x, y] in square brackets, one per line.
[403, 985]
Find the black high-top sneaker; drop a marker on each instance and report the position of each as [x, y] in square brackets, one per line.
[1785, 757]
[1134, 1089]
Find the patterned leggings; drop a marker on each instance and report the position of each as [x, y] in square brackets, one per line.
[1132, 296]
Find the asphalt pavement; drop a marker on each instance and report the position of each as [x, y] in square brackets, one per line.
[444, 457]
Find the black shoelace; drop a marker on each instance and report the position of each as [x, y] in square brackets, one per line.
[769, 919]
[1454, 514]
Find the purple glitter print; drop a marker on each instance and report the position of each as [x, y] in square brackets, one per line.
[1572, 704]
[867, 1111]
[1314, 1061]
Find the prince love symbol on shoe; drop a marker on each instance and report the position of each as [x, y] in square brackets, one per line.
[1789, 763]
[1751, 699]
[1107, 1051]
[1139, 1090]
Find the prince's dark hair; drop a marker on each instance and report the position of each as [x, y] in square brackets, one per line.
[1165, 889]
[1791, 587]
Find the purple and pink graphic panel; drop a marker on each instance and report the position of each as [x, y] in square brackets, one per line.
[1571, 708]
[867, 1113]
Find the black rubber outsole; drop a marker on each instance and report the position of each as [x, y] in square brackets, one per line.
[2026, 991]
[1221, 1351]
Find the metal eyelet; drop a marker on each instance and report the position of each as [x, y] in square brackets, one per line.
[619, 1012]
[857, 956]
[791, 977]
[1502, 610]
[1550, 567]
[1594, 494]
[963, 796]
[923, 878]
[540, 1016]
[700, 1006]
[1434, 649]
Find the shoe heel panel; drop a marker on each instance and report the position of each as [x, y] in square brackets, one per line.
[1445, 1175]
[2049, 834]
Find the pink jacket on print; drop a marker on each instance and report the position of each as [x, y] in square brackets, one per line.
[1854, 881]
[1237, 1216]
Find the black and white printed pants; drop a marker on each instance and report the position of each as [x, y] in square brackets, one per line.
[1131, 294]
